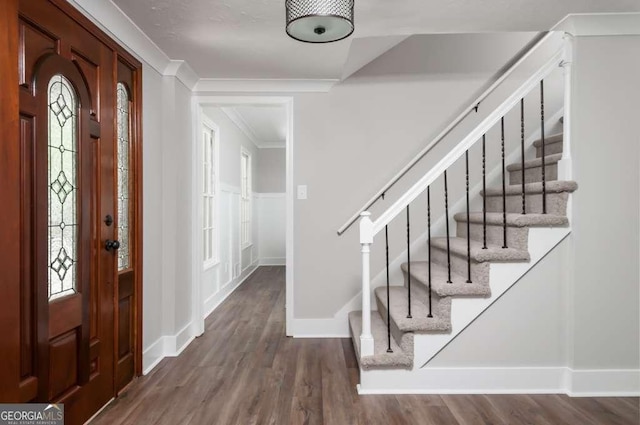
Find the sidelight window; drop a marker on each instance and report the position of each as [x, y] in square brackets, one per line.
[124, 166]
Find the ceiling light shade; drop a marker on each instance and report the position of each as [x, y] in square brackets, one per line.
[319, 21]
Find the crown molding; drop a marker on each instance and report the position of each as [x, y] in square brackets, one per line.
[183, 72]
[117, 24]
[241, 85]
[114, 22]
[241, 124]
[600, 24]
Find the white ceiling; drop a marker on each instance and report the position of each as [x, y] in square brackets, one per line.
[266, 126]
[246, 38]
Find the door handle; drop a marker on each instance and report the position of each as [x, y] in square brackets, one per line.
[111, 245]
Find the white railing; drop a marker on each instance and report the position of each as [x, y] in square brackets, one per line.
[369, 228]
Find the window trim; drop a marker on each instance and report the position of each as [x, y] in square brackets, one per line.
[244, 244]
[208, 263]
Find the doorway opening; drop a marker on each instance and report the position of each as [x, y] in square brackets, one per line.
[242, 196]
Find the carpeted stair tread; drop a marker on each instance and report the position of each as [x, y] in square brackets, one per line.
[419, 321]
[533, 163]
[556, 186]
[514, 219]
[458, 246]
[380, 359]
[439, 284]
[556, 138]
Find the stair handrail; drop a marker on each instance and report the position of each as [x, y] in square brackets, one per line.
[543, 37]
[467, 142]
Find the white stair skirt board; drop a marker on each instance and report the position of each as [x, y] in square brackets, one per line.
[525, 380]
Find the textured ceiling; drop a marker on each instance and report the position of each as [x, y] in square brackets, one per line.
[246, 38]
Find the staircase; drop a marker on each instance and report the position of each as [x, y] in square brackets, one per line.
[518, 225]
[481, 253]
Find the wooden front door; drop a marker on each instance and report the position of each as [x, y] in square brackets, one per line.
[74, 312]
[80, 274]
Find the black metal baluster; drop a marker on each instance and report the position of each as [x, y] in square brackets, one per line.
[466, 160]
[484, 195]
[429, 244]
[446, 219]
[504, 189]
[524, 205]
[544, 182]
[386, 240]
[408, 266]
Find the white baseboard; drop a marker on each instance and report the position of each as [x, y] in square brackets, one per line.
[153, 355]
[604, 383]
[211, 303]
[182, 339]
[173, 345]
[273, 261]
[166, 346]
[524, 380]
[321, 328]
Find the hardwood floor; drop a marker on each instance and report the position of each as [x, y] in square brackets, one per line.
[243, 370]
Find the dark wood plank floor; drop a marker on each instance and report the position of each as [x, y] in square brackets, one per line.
[243, 370]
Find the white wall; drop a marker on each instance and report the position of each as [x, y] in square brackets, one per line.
[152, 329]
[272, 173]
[271, 201]
[177, 203]
[272, 227]
[526, 327]
[604, 298]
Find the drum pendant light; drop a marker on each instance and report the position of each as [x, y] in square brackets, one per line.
[319, 21]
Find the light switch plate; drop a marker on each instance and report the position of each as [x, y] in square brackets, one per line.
[302, 191]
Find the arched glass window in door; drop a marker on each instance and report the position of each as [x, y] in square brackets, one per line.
[124, 258]
[63, 187]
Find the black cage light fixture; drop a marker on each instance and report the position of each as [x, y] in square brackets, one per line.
[319, 21]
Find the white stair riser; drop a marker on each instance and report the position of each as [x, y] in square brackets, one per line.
[479, 271]
[556, 203]
[549, 149]
[534, 174]
[517, 237]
